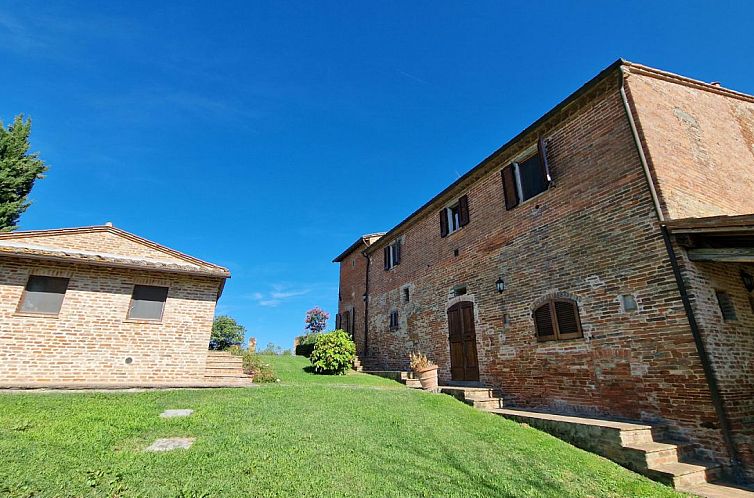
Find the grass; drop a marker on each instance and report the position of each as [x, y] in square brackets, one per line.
[308, 435]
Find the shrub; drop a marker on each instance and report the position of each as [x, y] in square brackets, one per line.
[226, 332]
[333, 353]
[255, 365]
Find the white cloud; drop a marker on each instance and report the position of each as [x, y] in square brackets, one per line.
[277, 295]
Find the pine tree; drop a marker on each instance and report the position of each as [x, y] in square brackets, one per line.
[18, 170]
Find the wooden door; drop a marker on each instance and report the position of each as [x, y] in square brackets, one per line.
[462, 337]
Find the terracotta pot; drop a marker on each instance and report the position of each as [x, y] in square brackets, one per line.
[428, 378]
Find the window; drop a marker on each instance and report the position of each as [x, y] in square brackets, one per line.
[344, 322]
[393, 254]
[147, 302]
[459, 290]
[393, 320]
[751, 302]
[523, 180]
[43, 295]
[454, 217]
[557, 319]
[406, 295]
[726, 306]
[628, 302]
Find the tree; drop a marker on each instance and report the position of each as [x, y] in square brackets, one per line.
[226, 332]
[18, 171]
[316, 320]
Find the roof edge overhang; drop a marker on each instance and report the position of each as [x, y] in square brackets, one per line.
[114, 264]
[359, 242]
[117, 231]
[586, 87]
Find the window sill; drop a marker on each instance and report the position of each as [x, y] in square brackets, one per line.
[143, 321]
[26, 314]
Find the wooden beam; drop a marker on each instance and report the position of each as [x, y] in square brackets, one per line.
[726, 255]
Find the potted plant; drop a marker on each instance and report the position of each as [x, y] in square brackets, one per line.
[425, 370]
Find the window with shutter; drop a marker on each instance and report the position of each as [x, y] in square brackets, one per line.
[557, 319]
[463, 211]
[393, 320]
[443, 223]
[337, 321]
[543, 323]
[527, 178]
[726, 306]
[392, 254]
[509, 187]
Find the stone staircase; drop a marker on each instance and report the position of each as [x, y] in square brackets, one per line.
[225, 369]
[642, 448]
[357, 365]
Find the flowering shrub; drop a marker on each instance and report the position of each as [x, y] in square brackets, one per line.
[255, 365]
[316, 320]
[333, 353]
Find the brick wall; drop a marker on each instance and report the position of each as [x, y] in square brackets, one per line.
[593, 237]
[89, 341]
[730, 344]
[700, 145]
[352, 289]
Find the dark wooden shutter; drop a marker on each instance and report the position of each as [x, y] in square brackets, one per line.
[397, 253]
[542, 148]
[353, 322]
[569, 325]
[463, 210]
[386, 252]
[543, 323]
[509, 187]
[337, 321]
[443, 223]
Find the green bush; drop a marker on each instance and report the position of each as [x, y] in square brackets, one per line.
[255, 365]
[333, 353]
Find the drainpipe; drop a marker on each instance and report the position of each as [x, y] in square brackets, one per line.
[709, 371]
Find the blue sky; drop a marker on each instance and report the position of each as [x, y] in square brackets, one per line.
[267, 136]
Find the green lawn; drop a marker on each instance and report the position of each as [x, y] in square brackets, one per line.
[308, 435]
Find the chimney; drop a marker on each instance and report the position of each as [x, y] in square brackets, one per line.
[108, 223]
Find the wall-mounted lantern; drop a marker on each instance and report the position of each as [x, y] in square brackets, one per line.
[748, 280]
[500, 284]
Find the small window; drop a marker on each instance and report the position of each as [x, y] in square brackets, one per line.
[43, 295]
[147, 302]
[454, 217]
[392, 254]
[459, 290]
[726, 306]
[628, 302]
[406, 295]
[393, 320]
[525, 179]
[557, 319]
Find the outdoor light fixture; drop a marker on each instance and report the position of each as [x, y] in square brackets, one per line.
[748, 281]
[500, 284]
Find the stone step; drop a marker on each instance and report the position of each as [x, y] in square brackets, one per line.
[230, 372]
[469, 393]
[684, 475]
[224, 361]
[412, 383]
[658, 453]
[720, 489]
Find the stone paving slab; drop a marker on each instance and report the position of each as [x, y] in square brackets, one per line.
[182, 412]
[171, 443]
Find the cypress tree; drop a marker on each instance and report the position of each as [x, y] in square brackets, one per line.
[18, 171]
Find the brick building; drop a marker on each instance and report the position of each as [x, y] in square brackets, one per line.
[599, 263]
[98, 306]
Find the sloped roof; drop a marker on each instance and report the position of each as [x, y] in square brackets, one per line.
[365, 240]
[123, 250]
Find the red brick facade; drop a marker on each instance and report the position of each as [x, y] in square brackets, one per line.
[593, 236]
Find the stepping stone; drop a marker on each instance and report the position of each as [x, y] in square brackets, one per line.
[172, 443]
[184, 412]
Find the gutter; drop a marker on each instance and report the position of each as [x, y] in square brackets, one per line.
[707, 367]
